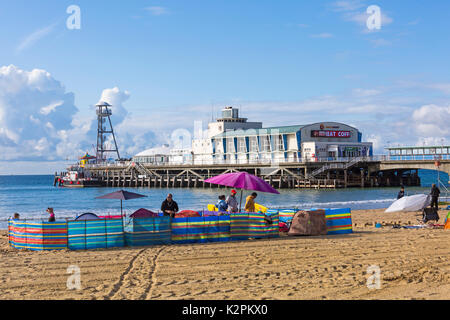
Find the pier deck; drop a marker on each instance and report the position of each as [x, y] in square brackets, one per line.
[358, 172]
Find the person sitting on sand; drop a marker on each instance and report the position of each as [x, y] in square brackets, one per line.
[52, 215]
[222, 204]
[250, 202]
[169, 207]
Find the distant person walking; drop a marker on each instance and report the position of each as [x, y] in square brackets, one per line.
[169, 207]
[435, 192]
[52, 215]
[250, 202]
[401, 193]
[232, 202]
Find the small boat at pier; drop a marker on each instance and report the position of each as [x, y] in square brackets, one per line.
[77, 177]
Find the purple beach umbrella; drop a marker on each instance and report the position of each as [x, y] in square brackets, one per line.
[243, 181]
[121, 195]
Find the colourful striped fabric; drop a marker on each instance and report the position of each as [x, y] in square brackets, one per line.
[147, 231]
[37, 235]
[339, 221]
[201, 229]
[253, 225]
[94, 234]
[286, 215]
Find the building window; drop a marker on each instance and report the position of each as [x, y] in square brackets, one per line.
[253, 144]
[241, 145]
[278, 143]
[230, 145]
[265, 144]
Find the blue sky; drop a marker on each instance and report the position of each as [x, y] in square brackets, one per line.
[173, 62]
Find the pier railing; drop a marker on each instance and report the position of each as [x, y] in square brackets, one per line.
[273, 162]
[332, 161]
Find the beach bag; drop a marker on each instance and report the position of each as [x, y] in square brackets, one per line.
[283, 227]
[308, 223]
[430, 214]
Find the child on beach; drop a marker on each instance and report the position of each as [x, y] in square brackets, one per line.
[16, 216]
[52, 215]
[222, 204]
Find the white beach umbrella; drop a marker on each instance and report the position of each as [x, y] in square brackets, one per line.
[411, 203]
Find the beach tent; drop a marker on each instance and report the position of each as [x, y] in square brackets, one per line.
[411, 203]
[308, 223]
[87, 216]
[143, 213]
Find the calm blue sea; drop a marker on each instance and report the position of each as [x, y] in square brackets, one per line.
[31, 195]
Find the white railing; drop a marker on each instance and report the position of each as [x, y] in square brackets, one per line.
[418, 157]
[345, 161]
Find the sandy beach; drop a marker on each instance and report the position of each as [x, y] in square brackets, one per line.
[414, 264]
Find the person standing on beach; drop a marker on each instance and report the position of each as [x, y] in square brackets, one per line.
[169, 207]
[52, 215]
[401, 193]
[250, 202]
[435, 192]
[232, 202]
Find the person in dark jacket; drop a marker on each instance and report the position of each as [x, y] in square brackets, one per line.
[401, 193]
[169, 207]
[435, 192]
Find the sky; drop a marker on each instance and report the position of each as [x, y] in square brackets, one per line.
[165, 64]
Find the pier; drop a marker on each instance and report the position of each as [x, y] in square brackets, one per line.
[361, 172]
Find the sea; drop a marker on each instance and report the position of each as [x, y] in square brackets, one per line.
[30, 195]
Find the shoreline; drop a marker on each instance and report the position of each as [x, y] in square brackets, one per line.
[414, 265]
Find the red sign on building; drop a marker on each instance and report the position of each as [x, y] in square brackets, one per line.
[330, 134]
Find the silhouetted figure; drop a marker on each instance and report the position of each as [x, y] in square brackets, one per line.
[435, 192]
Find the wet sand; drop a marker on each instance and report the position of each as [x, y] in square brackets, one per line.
[414, 264]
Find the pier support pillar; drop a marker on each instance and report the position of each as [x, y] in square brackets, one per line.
[345, 179]
[362, 178]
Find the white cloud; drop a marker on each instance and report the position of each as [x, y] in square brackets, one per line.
[347, 5]
[431, 121]
[365, 92]
[324, 35]
[34, 37]
[156, 10]
[381, 42]
[443, 87]
[34, 109]
[51, 107]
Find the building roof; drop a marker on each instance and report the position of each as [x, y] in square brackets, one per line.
[263, 131]
[163, 150]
